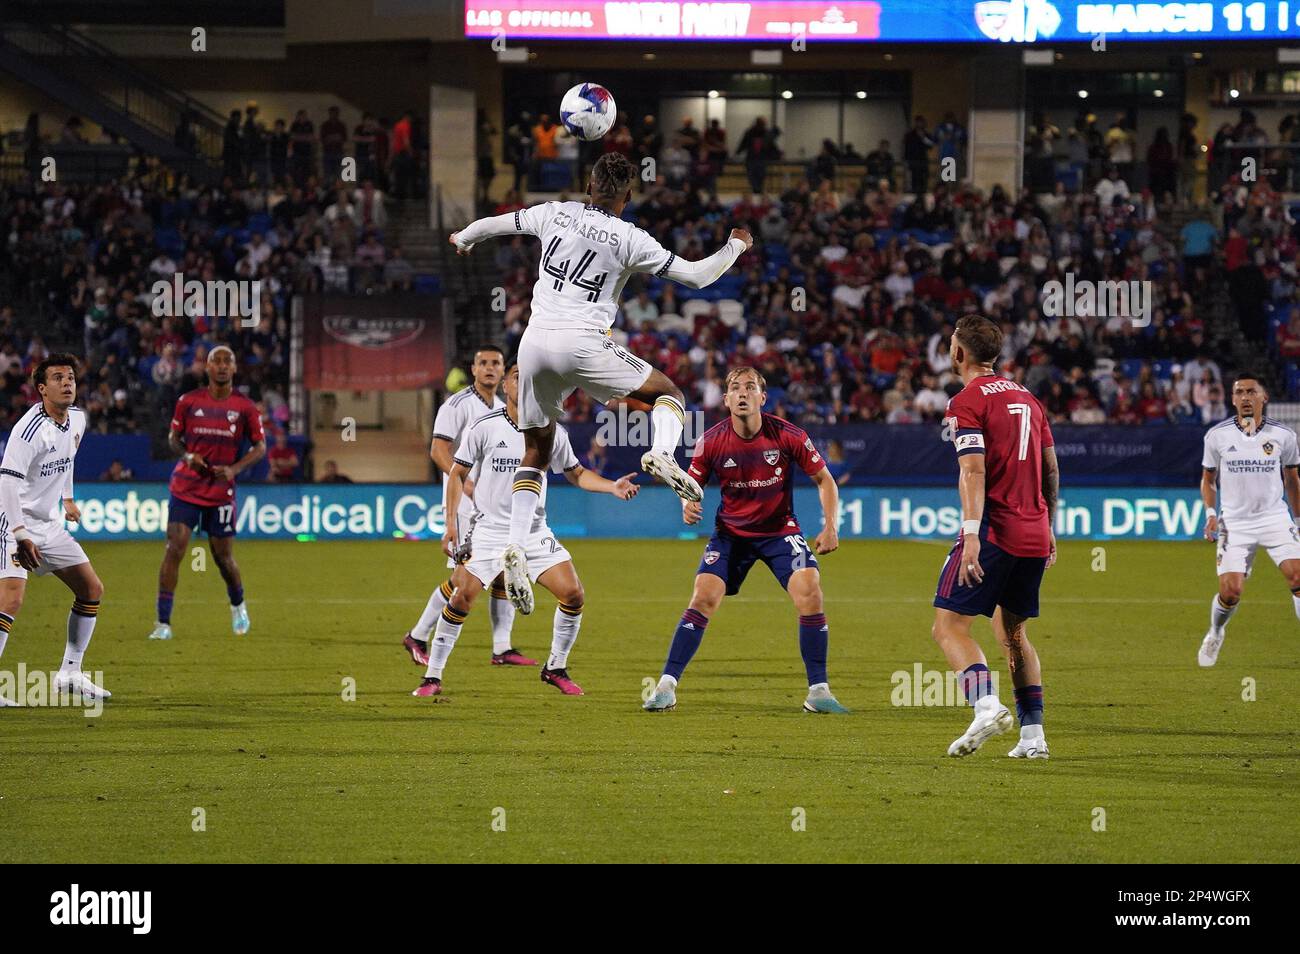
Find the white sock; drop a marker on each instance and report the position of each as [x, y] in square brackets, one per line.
[666, 682]
[667, 420]
[1028, 732]
[820, 687]
[81, 626]
[1294, 599]
[1220, 614]
[523, 502]
[989, 703]
[502, 613]
[6, 623]
[567, 622]
[432, 610]
[444, 640]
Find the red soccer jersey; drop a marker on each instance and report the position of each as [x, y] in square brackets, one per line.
[214, 430]
[756, 475]
[1004, 421]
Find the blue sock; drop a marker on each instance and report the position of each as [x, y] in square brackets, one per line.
[236, 594]
[685, 641]
[1029, 705]
[976, 682]
[165, 598]
[814, 637]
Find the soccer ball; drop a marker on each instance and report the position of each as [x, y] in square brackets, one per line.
[587, 111]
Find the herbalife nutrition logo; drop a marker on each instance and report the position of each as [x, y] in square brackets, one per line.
[1089, 299]
[240, 299]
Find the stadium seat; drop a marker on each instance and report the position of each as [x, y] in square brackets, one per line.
[1132, 367]
[1164, 368]
[694, 308]
[731, 313]
[427, 284]
[671, 322]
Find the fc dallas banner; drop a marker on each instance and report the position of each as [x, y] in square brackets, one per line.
[386, 343]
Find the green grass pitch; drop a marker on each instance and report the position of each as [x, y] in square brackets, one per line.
[257, 734]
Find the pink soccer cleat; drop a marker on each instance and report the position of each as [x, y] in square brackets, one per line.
[429, 686]
[559, 678]
[418, 649]
[512, 657]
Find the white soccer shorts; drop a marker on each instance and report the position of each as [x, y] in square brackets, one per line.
[1237, 544]
[487, 546]
[553, 364]
[59, 550]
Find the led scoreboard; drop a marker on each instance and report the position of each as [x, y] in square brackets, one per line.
[934, 21]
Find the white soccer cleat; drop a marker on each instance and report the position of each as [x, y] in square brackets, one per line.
[664, 467]
[161, 631]
[983, 727]
[79, 684]
[1029, 749]
[519, 589]
[239, 624]
[1210, 646]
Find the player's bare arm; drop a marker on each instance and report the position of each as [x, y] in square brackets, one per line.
[1291, 484]
[71, 512]
[1209, 497]
[231, 471]
[828, 492]
[178, 448]
[581, 477]
[455, 489]
[692, 511]
[440, 454]
[1051, 494]
[970, 487]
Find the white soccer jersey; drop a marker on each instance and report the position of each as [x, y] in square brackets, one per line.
[1250, 470]
[39, 455]
[455, 416]
[495, 446]
[587, 256]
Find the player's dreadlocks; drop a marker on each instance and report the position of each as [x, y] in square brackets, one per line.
[611, 177]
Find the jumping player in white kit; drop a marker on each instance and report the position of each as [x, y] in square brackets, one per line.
[588, 252]
[1252, 465]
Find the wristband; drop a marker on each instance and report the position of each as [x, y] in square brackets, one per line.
[21, 534]
[970, 526]
[1210, 512]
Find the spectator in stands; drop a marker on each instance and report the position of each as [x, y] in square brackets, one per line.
[650, 141]
[254, 138]
[72, 134]
[917, 144]
[758, 146]
[119, 415]
[1207, 397]
[822, 168]
[283, 460]
[302, 137]
[950, 135]
[368, 264]
[715, 153]
[1162, 167]
[116, 472]
[880, 164]
[331, 474]
[1110, 187]
[640, 312]
[519, 147]
[278, 150]
[545, 145]
[597, 455]
[333, 140]
[398, 272]
[232, 147]
[363, 147]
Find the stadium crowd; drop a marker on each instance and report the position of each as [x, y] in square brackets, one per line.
[85, 259]
[846, 302]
